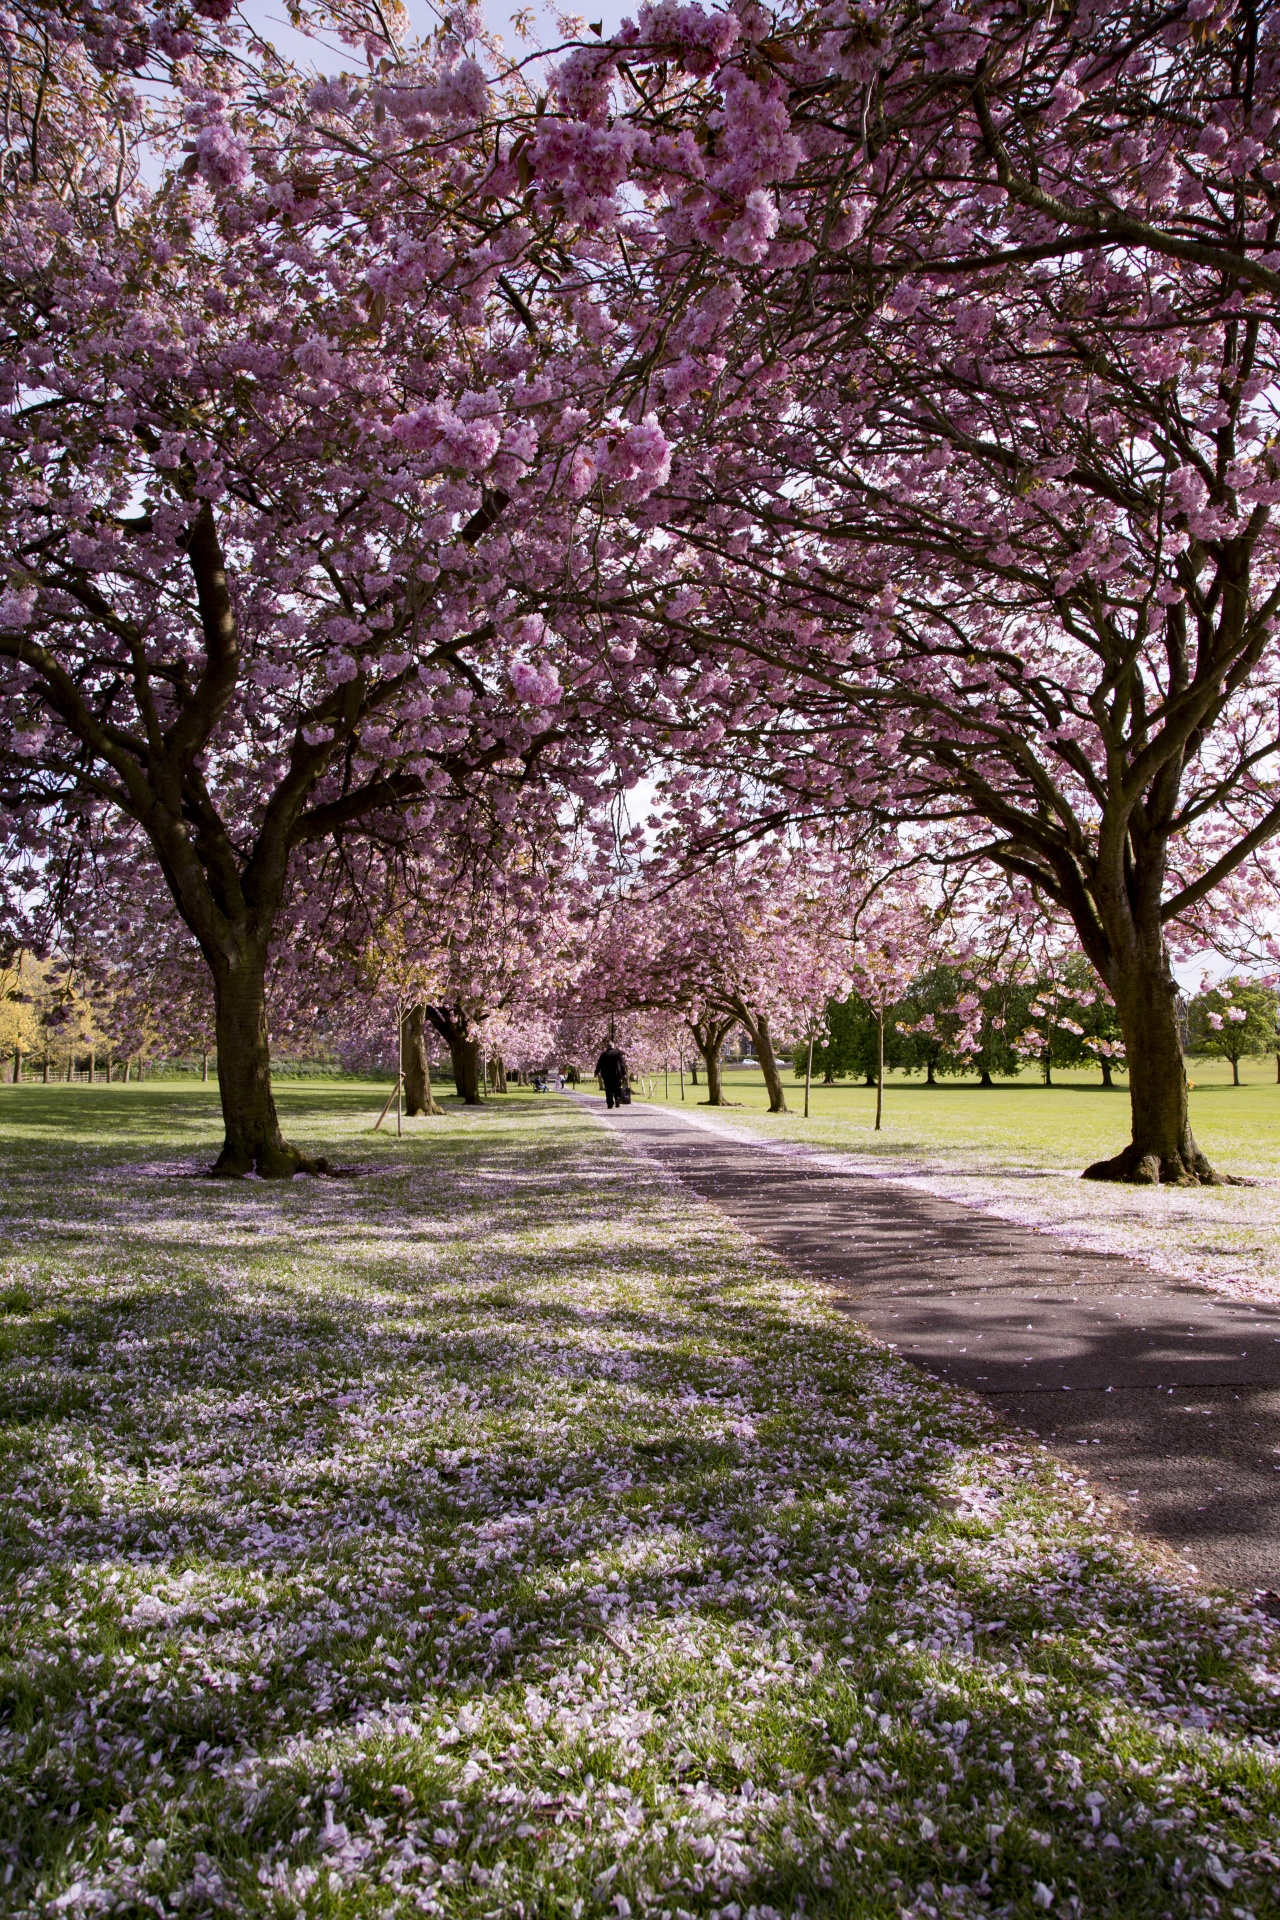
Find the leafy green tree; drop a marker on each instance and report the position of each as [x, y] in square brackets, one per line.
[1071, 1020]
[847, 1045]
[932, 1021]
[1232, 1021]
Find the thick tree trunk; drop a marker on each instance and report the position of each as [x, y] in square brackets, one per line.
[1162, 1149]
[44, 1075]
[204, 1064]
[417, 1070]
[984, 1078]
[253, 1142]
[769, 1066]
[1235, 1072]
[756, 1027]
[930, 1077]
[1105, 1063]
[715, 1091]
[17, 1066]
[465, 1055]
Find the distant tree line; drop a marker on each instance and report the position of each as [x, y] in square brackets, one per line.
[958, 1021]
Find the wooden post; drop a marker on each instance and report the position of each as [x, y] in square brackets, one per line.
[808, 1074]
[387, 1108]
[879, 1064]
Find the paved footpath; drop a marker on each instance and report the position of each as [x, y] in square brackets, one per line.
[1166, 1394]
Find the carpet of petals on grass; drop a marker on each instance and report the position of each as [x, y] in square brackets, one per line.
[500, 1534]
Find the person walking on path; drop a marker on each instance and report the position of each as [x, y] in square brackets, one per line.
[611, 1071]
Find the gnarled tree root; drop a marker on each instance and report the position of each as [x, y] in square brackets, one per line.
[269, 1163]
[1138, 1168]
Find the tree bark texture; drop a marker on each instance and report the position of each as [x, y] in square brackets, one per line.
[757, 1030]
[709, 1032]
[253, 1142]
[769, 1064]
[465, 1055]
[417, 1068]
[1162, 1149]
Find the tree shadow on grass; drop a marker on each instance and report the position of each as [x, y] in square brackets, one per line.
[486, 1556]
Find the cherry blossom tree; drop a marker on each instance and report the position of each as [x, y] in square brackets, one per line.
[965, 327]
[746, 942]
[282, 437]
[1233, 1019]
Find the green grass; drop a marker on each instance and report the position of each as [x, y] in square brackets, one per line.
[1012, 1124]
[498, 1533]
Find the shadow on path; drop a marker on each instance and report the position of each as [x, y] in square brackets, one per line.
[1166, 1393]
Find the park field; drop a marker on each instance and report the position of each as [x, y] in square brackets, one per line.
[495, 1532]
[1017, 1150]
[1016, 1123]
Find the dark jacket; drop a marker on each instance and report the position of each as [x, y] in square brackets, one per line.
[612, 1067]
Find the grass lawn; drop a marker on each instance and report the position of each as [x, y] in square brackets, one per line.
[500, 1534]
[1016, 1123]
[1017, 1150]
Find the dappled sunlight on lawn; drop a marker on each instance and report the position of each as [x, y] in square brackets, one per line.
[499, 1533]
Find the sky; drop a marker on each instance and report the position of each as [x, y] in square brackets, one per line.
[327, 54]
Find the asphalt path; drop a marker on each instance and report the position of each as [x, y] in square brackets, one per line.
[1167, 1395]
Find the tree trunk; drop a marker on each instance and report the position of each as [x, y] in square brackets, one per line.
[17, 1066]
[44, 1073]
[91, 1067]
[204, 1064]
[253, 1142]
[1235, 1071]
[1162, 1148]
[757, 1030]
[465, 1055]
[417, 1069]
[1105, 1061]
[769, 1066]
[930, 1078]
[984, 1078]
[1046, 1068]
[711, 1060]
[126, 1069]
[693, 1073]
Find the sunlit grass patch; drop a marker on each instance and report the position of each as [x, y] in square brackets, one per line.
[1018, 1151]
[499, 1534]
